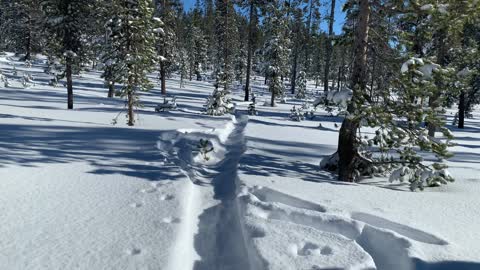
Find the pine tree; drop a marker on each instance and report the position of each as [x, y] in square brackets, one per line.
[134, 43]
[226, 34]
[166, 11]
[67, 21]
[329, 46]
[301, 85]
[276, 49]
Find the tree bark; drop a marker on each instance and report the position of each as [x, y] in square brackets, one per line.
[68, 73]
[461, 111]
[294, 71]
[347, 141]
[131, 115]
[250, 51]
[441, 59]
[329, 47]
[163, 78]
[111, 89]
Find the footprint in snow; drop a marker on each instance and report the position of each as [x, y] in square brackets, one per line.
[326, 251]
[167, 197]
[148, 190]
[309, 249]
[171, 220]
[133, 251]
[136, 205]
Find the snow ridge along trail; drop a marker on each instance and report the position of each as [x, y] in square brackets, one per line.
[212, 233]
[290, 233]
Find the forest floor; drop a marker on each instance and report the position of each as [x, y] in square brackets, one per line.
[77, 192]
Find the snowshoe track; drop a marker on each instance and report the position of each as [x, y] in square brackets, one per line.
[216, 239]
[385, 244]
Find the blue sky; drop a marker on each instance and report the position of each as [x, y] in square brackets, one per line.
[339, 15]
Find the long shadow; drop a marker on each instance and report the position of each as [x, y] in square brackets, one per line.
[267, 123]
[446, 265]
[110, 150]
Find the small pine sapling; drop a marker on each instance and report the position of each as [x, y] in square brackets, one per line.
[297, 114]
[251, 109]
[301, 84]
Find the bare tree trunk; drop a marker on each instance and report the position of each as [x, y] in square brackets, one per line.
[131, 115]
[461, 111]
[294, 71]
[441, 59]
[307, 43]
[111, 89]
[68, 73]
[347, 141]
[250, 51]
[163, 78]
[272, 100]
[329, 47]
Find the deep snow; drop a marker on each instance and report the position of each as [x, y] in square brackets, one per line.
[77, 192]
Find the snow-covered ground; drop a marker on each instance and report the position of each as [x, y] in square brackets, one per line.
[77, 192]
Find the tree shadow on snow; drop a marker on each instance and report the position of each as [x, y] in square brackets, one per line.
[447, 265]
[110, 150]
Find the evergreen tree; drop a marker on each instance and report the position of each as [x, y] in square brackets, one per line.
[276, 49]
[67, 21]
[301, 85]
[134, 43]
[166, 11]
[226, 33]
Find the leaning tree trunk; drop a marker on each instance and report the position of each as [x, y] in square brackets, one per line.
[68, 73]
[329, 47]
[347, 140]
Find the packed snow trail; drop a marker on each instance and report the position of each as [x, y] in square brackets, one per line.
[216, 236]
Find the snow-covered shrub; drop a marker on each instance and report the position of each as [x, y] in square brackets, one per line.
[204, 147]
[297, 114]
[301, 84]
[251, 109]
[309, 111]
[334, 102]
[53, 82]
[219, 103]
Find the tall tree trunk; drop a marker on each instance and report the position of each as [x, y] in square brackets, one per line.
[347, 140]
[111, 89]
[461, 111]
[131, 115]
[372, 81]
[329, 47]
[68, 73]
[294, 71]
[28, 46]
[307, 40]
[130, 98]
[250, 51]
[163, 78]
[441, 59]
